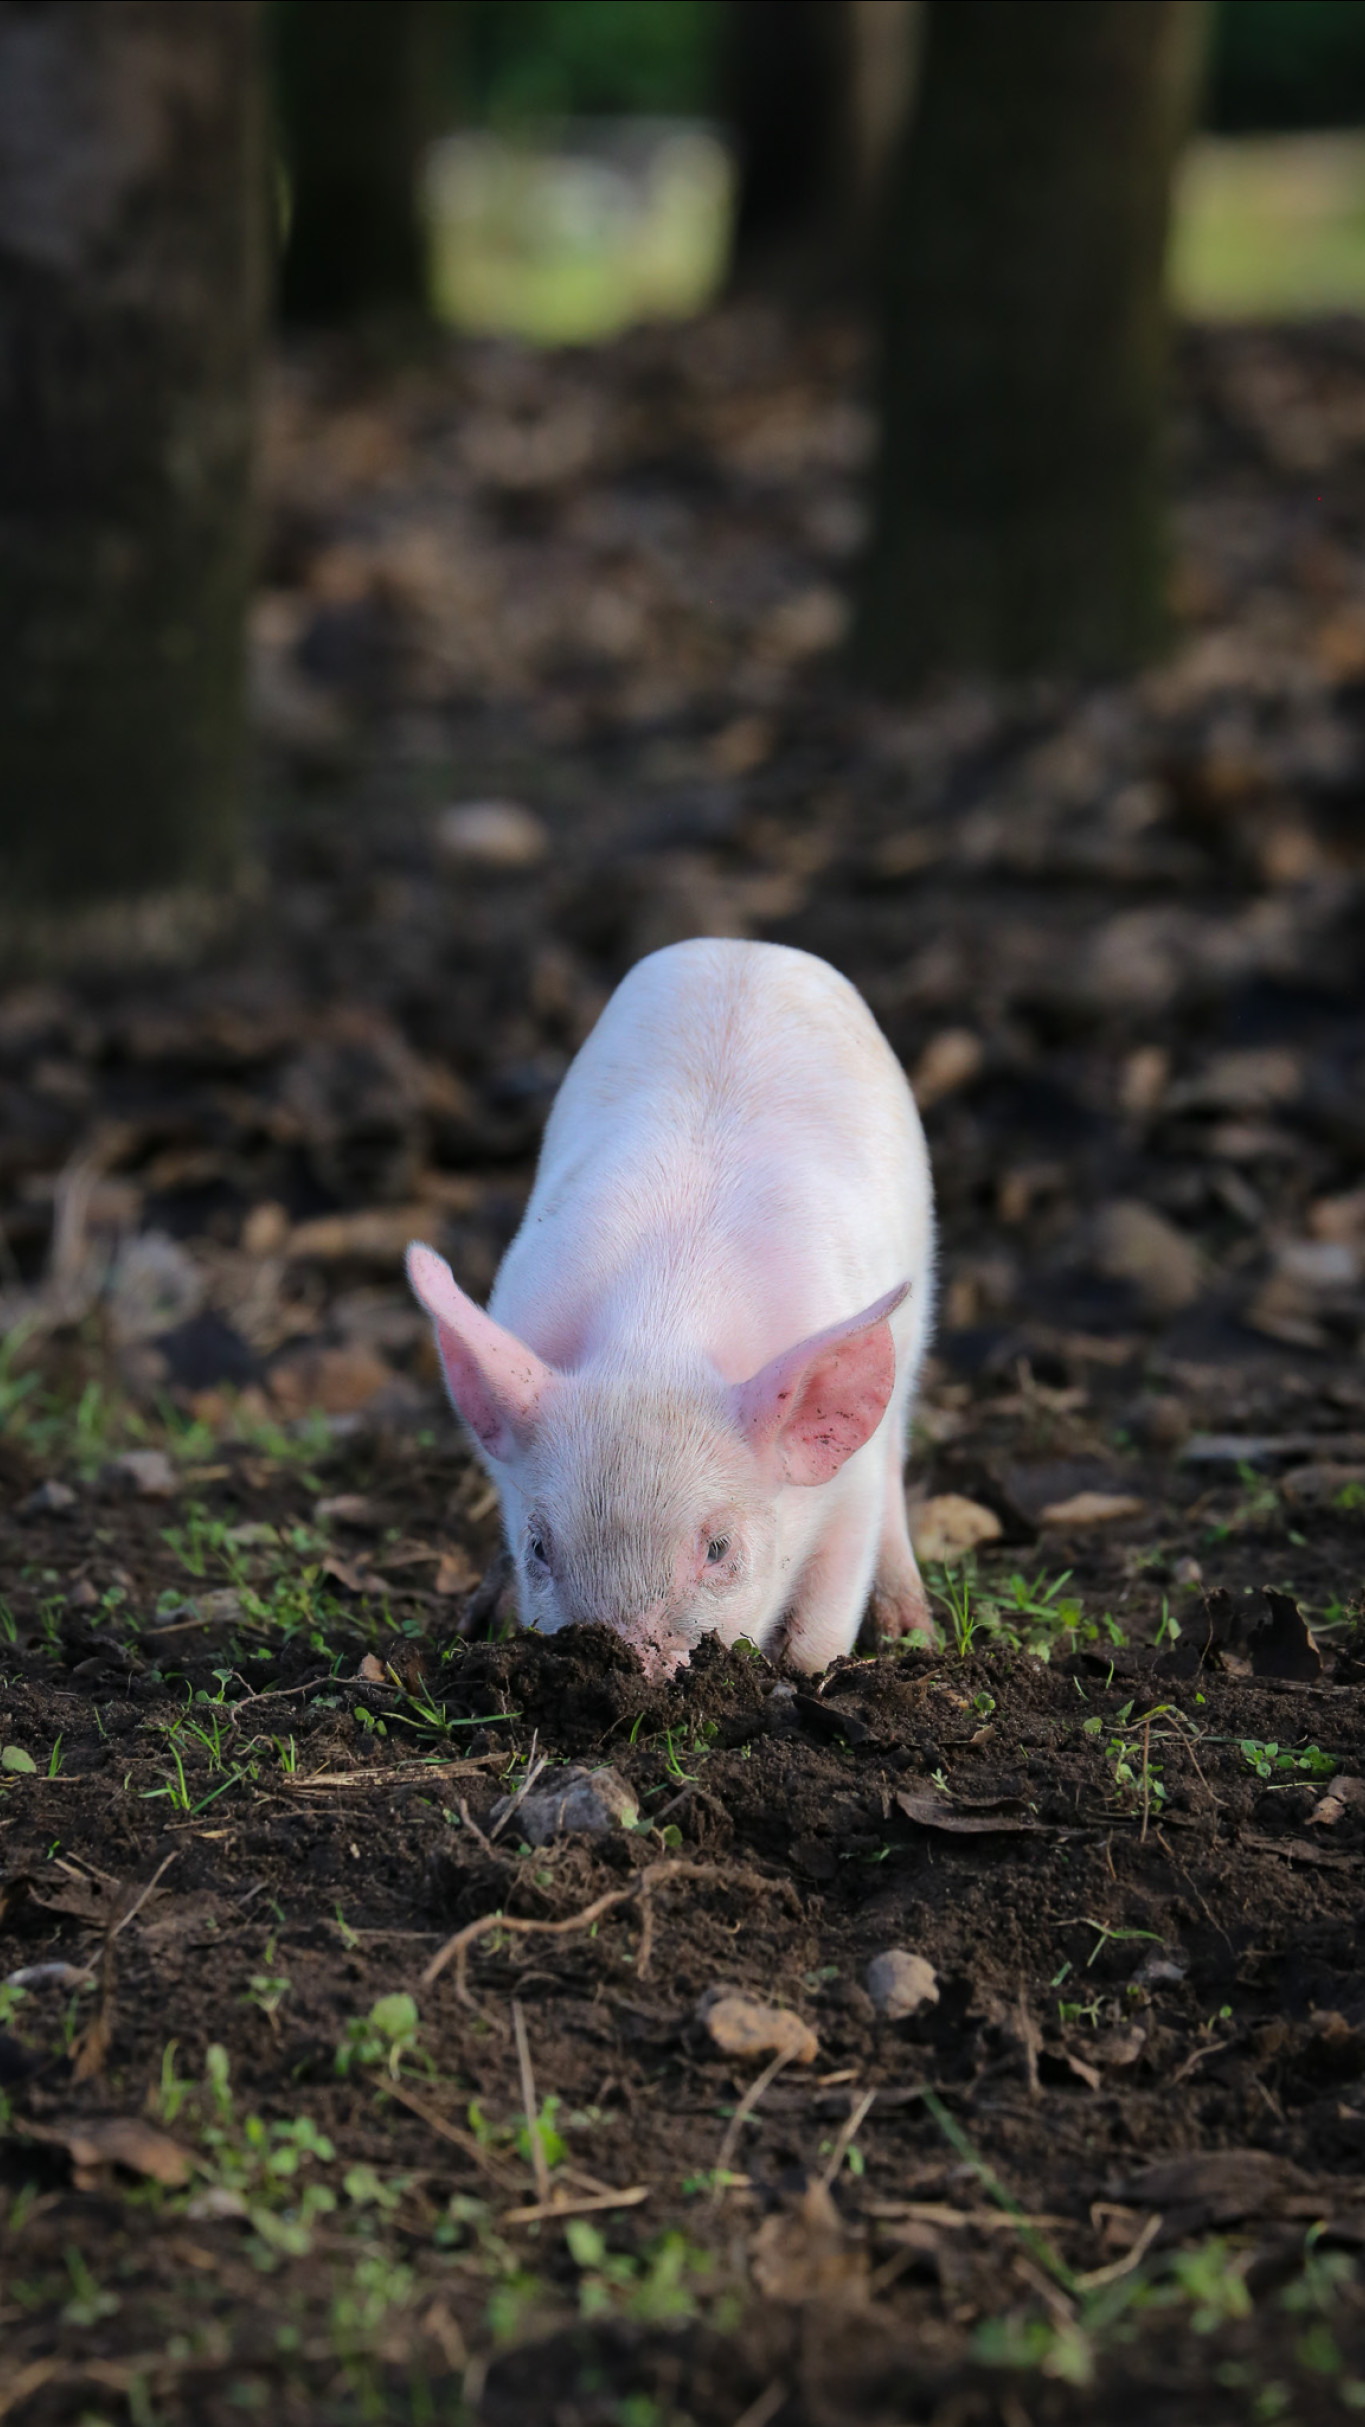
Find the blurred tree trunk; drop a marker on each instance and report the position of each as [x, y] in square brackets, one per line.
[815, 91]
[355, 84]
[787, 72]
[131, 292]
[1019, 514]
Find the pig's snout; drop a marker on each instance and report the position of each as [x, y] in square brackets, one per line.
[661, 1647]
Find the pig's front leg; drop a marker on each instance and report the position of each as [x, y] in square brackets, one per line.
[827, 1608]
[900, 1605]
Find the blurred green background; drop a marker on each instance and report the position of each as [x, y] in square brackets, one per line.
[1275, 63]
[562, 205]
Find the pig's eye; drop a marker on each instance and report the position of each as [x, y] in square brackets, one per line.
[537, 1551]
[716, 1549]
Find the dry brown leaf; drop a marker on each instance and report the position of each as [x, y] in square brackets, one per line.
[741, 2026]
[1297, 1849]
[374, 1236]
[1343, 1795]
[88, 1900]
[807, 2254]
[947, 1527]
[1093, 1508]
[1077, 2066]
[347, 1508]
[1232, 2182]
[95, 2141]
[1135, 1243]
[92, 2045]
[949, 1061]
[932, 1812]
[338, 1380]
[456, 1572]
[354, 1575]
[1340, 1217]
[1121, 2047]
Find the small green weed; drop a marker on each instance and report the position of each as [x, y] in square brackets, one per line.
[1267, 1760]
[384, 2036]
[268, 1990]
[1128, 1749]
[659, 2287]
[260, 2163]
[87, 2304]
[1020, 1614]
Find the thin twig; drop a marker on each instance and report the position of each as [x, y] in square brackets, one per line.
[852, 2125]
[1059, 2302]
[591, 2205]
[742, 2114]
[472, 1825]
[539, 2163]
[1215, 1800]
[980, 2220]
[675, 1803]
[502, 2175]
[1100, 2276]
[645, 1950]
[92, 2047]
[1031, 2041]
[765, 2406]
[883, 2277]
[141, 1897]
[533, 1770]
[1215, 2047]
[458, 1947]
[29, 2380]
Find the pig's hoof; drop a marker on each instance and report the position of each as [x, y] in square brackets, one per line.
[900, 1612]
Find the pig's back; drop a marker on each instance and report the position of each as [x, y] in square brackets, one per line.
[733, 1160]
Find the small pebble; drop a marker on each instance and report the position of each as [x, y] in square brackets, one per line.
[899, 1984]
[741, 2025]
[52, 1499]
[1157, 1971]
[491, 834]
[147, 1473]
[574, 1803]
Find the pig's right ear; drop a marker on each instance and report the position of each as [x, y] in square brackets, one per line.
[811, 1408]
[495, 1382]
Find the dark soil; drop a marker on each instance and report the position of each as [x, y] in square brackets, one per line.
[259, 1700]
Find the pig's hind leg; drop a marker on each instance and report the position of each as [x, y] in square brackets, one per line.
[900, 1605]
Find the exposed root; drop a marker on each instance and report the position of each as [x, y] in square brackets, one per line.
[656, 1875]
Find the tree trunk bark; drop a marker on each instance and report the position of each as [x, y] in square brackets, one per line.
[131, 292]
[786, 76]
[816, 91]
[1018, 519]
[355, 82]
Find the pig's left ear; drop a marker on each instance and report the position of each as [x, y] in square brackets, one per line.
[817, 1403]
[495, 1381]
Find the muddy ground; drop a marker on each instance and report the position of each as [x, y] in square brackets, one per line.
[262, 1710]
